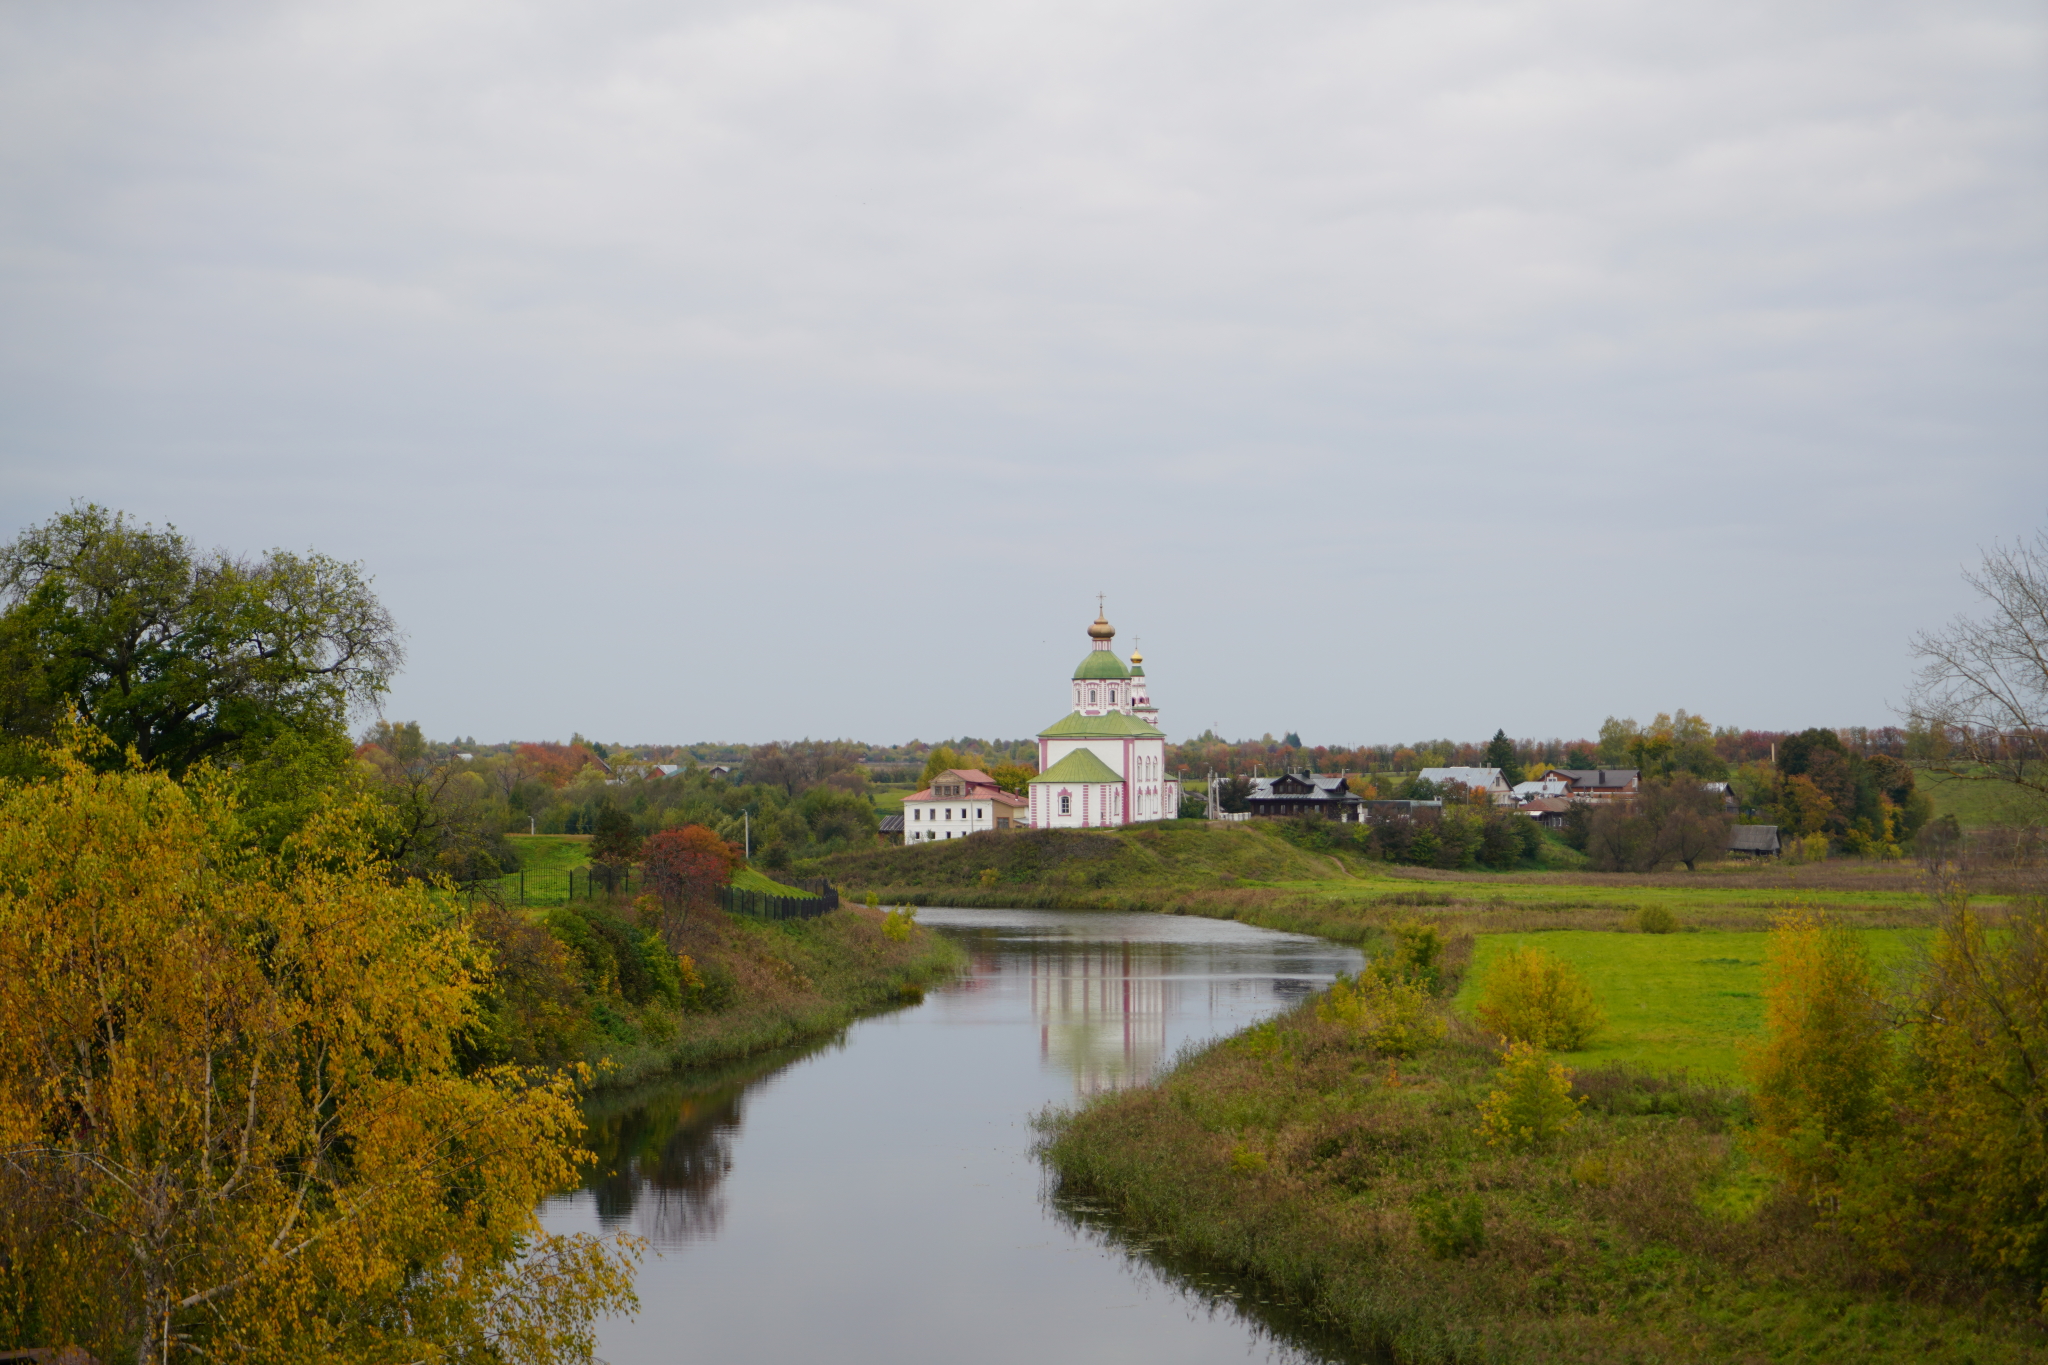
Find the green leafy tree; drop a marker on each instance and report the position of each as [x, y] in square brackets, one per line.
[180, 656]
[614, 841]
[939, 760]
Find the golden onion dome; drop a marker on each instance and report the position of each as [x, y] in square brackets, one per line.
[1101, 630]
[1136, 657]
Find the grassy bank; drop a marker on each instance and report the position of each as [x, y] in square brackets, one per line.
[590, 981]
[1250, 872]
[1357, 1190]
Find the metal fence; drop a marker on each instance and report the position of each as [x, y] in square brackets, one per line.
[761, 905]
[586, 883]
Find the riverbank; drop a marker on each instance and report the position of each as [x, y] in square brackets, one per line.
[1250, 872]
[585, 982]
[1358, 1188]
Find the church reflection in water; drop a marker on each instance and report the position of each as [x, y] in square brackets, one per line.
[1101, 1011]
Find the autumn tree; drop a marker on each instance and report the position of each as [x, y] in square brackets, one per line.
[1819, 1075]
[1983, 684]
[180, 656]
[232, 1127]
[688, 866]
[1970, 1155]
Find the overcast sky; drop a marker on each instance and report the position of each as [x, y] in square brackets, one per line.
[751, 371]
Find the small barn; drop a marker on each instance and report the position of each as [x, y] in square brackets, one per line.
[1757, 841]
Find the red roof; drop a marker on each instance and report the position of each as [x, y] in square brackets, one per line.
[993, 793]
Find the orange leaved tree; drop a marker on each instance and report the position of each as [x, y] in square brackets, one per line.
[232, 1127]
[687, 866]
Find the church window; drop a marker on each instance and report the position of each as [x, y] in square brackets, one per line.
[1066, 804]
[1112, 696]
[1091, 696]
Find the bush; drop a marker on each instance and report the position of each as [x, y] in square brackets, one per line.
[1395, 1017]
[1451, 1229]
[1655, 919]
[1531, 1104]
[1532, 997]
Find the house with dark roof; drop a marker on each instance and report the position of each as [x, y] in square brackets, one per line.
[1322, 795]
[1597, 784]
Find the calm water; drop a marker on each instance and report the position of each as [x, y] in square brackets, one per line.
[875, 1199]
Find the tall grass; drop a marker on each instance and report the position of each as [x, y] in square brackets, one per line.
[1360, 1188]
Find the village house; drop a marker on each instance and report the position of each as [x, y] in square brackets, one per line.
[1319, 794]
[1489, 780]
[959, 802]
[1597, 784]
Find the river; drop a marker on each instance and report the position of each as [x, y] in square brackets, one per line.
[875, 1199]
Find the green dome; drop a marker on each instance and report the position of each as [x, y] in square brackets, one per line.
[1101, 663]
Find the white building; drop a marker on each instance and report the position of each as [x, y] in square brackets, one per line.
[1105, 762]
[1489, 780]
[959, 802]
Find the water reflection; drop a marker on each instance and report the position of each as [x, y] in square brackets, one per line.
[879, 1201]
[664, 1149]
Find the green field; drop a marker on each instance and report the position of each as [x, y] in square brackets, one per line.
[1978, 804]
[1683, 1001]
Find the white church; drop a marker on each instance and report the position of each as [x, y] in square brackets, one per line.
[1105, 762]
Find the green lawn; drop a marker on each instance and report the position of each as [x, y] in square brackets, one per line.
[545, 861]
[1977, 804]
[1684, 1000]
[889, 796]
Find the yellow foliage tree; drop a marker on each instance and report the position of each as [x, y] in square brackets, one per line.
[232, 1126]
[1532, 996]
[1531, 1103]
[1963, 1155]
[1820, 1072]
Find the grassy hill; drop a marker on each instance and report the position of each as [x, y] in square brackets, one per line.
[1082, 869]
[1976, 805]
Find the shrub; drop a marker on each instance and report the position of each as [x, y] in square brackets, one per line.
[988, 877]
[1417, 949]
[1531, 1103]
[1396, 1018]
[1451, 1229]
[899, 923]
[1655, 919]
[1532, 997]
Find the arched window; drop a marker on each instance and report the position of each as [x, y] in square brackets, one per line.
[1112, 696]
[1091, 696]
[1066, 804]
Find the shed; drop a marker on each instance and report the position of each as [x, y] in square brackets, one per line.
[1756, 840]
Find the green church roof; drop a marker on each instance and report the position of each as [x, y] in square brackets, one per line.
[1110, 725]
[1079, 766]
[1101, 663]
